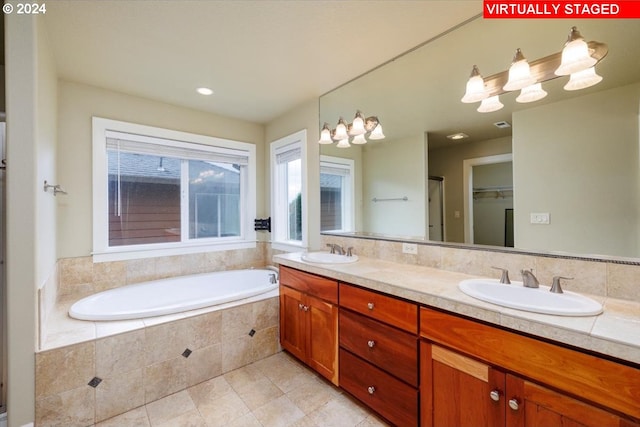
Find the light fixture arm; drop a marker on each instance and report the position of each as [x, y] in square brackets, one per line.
[542, 69]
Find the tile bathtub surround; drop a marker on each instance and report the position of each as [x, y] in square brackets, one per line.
[609, 279]
[79, 277]
[147, 364]
[275, 391]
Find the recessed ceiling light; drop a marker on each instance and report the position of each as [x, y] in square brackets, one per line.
[204, 91]
[457, 136]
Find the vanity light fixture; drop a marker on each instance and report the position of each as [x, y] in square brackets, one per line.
[356, 130]
[577, 59]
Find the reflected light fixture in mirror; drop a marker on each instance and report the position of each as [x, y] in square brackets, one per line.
[357, 130]
[577, 59]
[490, 104]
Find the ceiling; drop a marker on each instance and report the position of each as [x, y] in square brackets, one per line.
[261, 58]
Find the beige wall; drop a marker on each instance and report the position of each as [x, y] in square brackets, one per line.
[447, 162]
[31, 218]
[395, 169]
[599, 132]
[304, 116]
[77, 104]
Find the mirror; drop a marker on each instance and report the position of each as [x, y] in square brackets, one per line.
[574, 178]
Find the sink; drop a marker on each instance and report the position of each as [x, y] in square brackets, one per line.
[328, 258]
[537, 300]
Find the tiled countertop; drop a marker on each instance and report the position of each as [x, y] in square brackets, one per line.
[615, 332]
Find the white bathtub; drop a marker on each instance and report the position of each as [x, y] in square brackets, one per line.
[174, 295]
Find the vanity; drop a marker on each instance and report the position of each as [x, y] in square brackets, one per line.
[409, 344]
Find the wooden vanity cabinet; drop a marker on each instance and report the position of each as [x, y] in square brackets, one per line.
[475, 374]
[309, 320]
[379, 353]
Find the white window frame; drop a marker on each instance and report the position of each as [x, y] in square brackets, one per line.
[348, 193]
[106, 128]
[279, 222]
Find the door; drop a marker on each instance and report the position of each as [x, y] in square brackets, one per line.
[436, 210]
[322, 337]
[459, 391]
[292, 327]
[531, 405]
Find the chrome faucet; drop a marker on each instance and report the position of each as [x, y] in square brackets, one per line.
[335, 248]
[529, 280]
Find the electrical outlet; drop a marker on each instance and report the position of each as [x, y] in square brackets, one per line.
[410, 248]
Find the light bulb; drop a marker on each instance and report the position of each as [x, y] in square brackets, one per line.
[357, 127]
[575, 55]
[341, 130]
[475, 87]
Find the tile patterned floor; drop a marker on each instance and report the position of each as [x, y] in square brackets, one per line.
[274, 392]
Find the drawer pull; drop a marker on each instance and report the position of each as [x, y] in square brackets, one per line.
[371, 389]
[513, 404]
[371, 343]
[370, 306]
[495, 395]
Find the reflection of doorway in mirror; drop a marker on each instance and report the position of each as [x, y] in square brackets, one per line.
[436, 208]
[492, 198]
[488, 192]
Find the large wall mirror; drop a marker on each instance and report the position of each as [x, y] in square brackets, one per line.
[557, 175]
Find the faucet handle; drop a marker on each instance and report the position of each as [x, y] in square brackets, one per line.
[555, 287]
[350, 251]
[504, 278]
[332, 247]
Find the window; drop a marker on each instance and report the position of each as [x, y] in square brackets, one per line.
[336, 194]
[162, 192]
[288, 192]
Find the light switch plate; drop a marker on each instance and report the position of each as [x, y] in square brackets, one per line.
[540, 218]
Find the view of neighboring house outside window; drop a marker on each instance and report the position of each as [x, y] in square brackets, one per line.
[167, 193]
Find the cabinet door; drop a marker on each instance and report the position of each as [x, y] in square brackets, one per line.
[459, 391]
[322, 337]
[292, 322]
[530, 405]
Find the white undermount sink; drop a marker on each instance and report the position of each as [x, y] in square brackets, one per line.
[328, 258]
[537, 300]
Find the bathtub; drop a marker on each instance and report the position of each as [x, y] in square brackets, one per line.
[174, 295]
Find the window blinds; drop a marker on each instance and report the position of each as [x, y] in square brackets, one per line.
[129, 143]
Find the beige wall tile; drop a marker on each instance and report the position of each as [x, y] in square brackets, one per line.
[165, 378]
[169, 266]
[236, 353]
[64, 369]
[71, 408]
[76, 270]
[120, 353]
[204, 330]
[623, 281]
[141, 270]
[194, 263]
[266, 312]
[119, 393]
[237, 322]
[203, 364]
[588, 277]
[109, 275]
[266, 342]
[165, 341]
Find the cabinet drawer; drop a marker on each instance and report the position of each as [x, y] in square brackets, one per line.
[388, 309]
[390, 397]
[392, 350]
[318, 286]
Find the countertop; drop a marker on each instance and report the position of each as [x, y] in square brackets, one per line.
[615, 332]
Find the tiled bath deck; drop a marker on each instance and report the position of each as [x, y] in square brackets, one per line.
[274, 392]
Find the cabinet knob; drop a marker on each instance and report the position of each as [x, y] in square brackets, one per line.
[305, 308]
[495, 395]
[370, 306]
[371, 389]
[300, 306]
[513, 404]
[371, 343]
